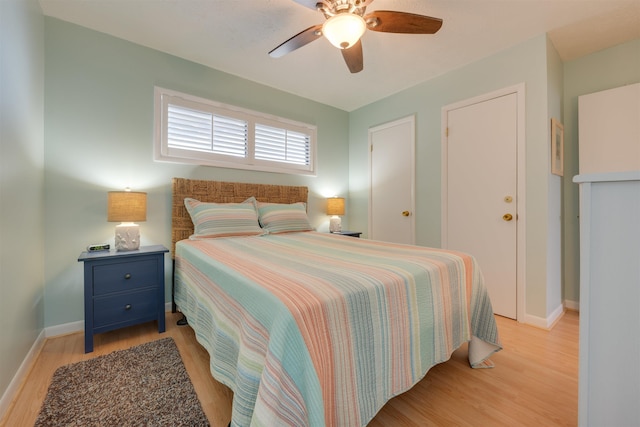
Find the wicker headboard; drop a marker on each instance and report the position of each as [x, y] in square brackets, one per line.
[222, 192]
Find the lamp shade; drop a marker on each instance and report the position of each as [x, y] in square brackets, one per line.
[344, 30]
[335, 206]
[126, 206]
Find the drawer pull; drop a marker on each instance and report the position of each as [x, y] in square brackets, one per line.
[127, 307]
[127, 276]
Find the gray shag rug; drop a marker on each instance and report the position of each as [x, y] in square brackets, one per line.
[146, 385]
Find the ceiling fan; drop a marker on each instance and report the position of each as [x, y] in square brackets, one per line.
[346, 22]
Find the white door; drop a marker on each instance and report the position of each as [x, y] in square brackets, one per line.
[481, 192]
[392, 176]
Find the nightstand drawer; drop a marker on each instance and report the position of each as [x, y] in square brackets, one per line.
[125, 307]
[124, 276]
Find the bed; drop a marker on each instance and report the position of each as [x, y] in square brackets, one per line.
[309, 328]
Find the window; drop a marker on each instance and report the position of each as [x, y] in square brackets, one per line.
[189, 129]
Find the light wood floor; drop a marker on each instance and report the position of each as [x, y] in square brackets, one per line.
[534, 383]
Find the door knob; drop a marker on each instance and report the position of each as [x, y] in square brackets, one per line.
[405, 213]
[507, 217]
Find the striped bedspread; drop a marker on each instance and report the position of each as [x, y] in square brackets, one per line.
[314, 329]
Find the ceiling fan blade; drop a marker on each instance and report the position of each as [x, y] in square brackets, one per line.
[299, 40]
[402, 22]
[353, 57]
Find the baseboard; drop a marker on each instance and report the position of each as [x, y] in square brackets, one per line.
[21, 374]
[548, 322]
[25, 366]
[64, 329]
[556, 316]
[572, 305]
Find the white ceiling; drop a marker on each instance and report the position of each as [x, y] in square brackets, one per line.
[235, 36]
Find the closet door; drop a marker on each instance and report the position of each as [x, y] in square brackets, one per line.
[481, 199]
[392, 177]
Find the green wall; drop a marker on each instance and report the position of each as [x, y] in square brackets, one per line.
[99, 137]
[21, 184]
[555, 83]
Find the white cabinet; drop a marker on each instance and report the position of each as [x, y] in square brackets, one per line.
[609, 378]
[609, 130]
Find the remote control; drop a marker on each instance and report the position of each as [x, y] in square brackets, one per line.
[100, 247]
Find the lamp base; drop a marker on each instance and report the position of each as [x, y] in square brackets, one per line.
[335, 224]
[127, 237]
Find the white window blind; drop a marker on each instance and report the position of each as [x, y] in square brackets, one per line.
[190, 129]
[203, 131]
[281, 145]
[230, 136]
[195, 130]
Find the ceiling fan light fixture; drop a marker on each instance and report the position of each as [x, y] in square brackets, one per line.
[344, 29]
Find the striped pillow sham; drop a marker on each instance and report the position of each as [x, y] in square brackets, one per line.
[212, 220]
[283, 218]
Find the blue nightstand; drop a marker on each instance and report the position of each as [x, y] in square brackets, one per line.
[122, 289]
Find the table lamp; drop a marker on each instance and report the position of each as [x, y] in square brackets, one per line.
[127, 207]
[335, 207]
